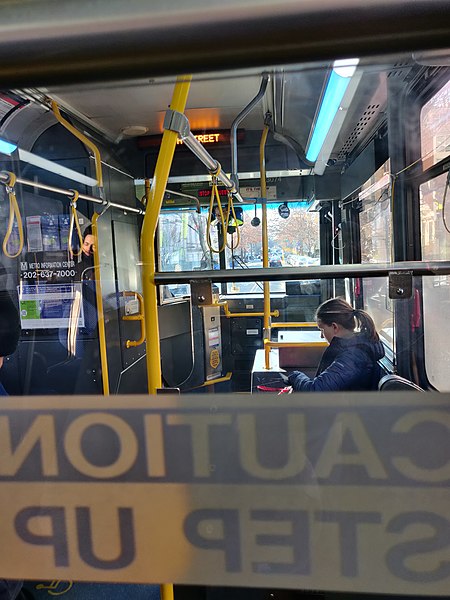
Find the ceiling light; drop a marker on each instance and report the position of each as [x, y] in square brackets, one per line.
[337, 85]
[7, 147]
[134, 130]
[53, 167]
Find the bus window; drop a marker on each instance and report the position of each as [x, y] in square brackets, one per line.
[183, 247]
[435, 246]
[435, 128]
[376, 235]
[293, 241]
[435, 237]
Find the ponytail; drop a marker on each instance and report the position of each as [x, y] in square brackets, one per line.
[366, 324]
[337, 310]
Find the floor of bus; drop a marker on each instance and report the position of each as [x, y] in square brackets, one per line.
[102, 591]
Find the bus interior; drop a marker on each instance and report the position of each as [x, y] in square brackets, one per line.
[288, 184]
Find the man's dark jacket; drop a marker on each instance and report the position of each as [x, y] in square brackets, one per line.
[347, 364]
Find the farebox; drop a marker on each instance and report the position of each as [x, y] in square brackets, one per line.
[305, 356]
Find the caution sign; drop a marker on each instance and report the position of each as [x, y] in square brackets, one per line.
[344, 492]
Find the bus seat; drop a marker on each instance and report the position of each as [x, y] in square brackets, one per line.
[395, 383]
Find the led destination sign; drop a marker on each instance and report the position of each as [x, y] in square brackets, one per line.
[206, 138]
[221, 136]
[311, 492]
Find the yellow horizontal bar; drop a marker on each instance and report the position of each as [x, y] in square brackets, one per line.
[271, 344]
[278, 324]
[275, 313]
[227, 377]
[228, 314]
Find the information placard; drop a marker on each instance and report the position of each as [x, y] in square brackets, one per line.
[51, 305]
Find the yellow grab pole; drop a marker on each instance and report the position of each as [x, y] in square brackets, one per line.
[282, 325]
[265, 237]
[154, 202]
[100, 315]
[86, 141]
[153, 206]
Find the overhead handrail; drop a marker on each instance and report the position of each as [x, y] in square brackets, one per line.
[13, 212]
[137, 317]
[5, 176]
[234, 126]
[74, 221]
[414, 268]
[177, 122]
[86, 141]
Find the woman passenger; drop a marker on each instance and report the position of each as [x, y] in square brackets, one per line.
[350, 361]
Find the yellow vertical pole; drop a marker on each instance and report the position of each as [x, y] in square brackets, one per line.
[100, 315]
[265, 241]
[154, 202]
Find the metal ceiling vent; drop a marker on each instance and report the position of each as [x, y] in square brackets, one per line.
[364, 120]
[400, 70]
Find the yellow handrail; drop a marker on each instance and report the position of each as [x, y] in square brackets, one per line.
[86, 141]
[138, 317]
[228, 314]
[226, 377]
[273, 344]
[153, 208]
[269, 344]
[100, 314]
[278, 324]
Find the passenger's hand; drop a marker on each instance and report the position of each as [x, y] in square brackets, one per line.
[284, 378]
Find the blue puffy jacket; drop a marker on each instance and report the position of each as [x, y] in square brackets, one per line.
[347, 364]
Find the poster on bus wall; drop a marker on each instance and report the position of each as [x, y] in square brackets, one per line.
[51, 306]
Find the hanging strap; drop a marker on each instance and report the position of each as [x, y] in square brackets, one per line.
[13, 212]
[238, 232]
[74, 220]
[215, 196]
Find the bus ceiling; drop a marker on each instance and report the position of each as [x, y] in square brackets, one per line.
[44, 42]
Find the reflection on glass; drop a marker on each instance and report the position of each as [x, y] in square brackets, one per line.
[436, 298]
[375, 219]
[293, 242]
[435, 238]
[183, 246]
[435, 128]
